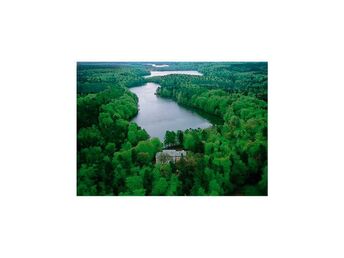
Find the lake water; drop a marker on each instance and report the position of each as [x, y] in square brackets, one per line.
[157, 115]
[161, 65]
[164, 73]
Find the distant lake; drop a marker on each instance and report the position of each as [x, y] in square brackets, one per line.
[161, 65]
[164, 73]
[158, 115]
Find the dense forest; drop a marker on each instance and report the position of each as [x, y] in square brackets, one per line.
[93, 77]
[117, 157]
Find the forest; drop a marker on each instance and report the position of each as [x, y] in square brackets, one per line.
[116, 157]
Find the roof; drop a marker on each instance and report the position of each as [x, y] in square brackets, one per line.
[171, 153]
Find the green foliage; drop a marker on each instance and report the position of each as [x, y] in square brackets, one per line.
[237, 150]
[243, 78]
[136, 134]
[192, 141]
[110, 149]
[87, 176]
[117, 157]
[96, 78]
[174, 186]
[89, 136]
[215, 188]
[91, 155]
[170, 138]
[149, 147]
[180, 137]
[160, 186]
[134, 185]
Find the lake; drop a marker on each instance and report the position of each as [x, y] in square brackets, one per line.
[158, 115]
[157, 66]
[164, 73]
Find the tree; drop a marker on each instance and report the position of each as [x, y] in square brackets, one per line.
[143, 158]
[156, 143]
[208, 148]
[87, 176]
[142, 135]
[89, 136]
[134, 186]
[123, 158]
[145, 147]
[132, 134]
[91, 155]
[136, 134]
[174, 186]
[160, 186]
[110, 149]
[150, 147]
[170, 138]
[189, 142]
[215, 188]
[263, 183]
[180, 137]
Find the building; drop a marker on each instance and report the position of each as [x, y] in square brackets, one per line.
[169, 155]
